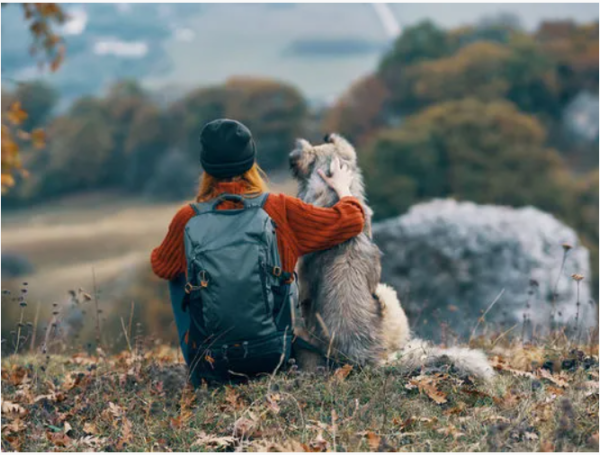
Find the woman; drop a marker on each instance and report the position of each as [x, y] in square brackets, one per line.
[228, 156]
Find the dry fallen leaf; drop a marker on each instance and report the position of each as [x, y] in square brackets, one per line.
[411, 421]
[272, 402]
[16, 376]
[58, 439]
[459, 408]
[500, 365]
[126, 434]
[319, 444]
[288, 446]
[428, 385]
[89, 428]
[555, 390]
[528, 436]
[14, 427]
[451, 431]
[72, 381]
[244, 427]
[184, 416]
[54, 397]
[233, 398]
[342, 373]
[213, 442]
[92, 441]
[556, 380]
[115, 410]
[12, 410]
[373, 440]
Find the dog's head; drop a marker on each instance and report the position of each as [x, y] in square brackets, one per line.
[306, 159]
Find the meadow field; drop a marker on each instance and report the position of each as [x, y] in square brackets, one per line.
[100, 241]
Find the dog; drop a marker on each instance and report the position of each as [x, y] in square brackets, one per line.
[344, 310]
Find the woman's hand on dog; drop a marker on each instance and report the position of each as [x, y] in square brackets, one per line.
[340, 178]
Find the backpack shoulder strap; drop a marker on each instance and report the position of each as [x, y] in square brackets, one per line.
[257, 202]
[202, 207]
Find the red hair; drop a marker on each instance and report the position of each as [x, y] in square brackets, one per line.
[255, 180]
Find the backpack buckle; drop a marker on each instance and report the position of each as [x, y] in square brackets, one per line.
[188, 288]
[277, 271]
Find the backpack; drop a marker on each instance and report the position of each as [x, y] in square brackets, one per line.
[237, 295]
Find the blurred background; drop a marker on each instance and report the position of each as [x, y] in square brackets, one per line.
[102, 105]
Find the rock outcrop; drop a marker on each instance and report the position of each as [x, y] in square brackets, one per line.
[449, 261]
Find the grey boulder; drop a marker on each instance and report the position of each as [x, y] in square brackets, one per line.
[450, 260]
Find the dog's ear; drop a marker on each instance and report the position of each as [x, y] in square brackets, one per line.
[343, 147]
[303, 145]
[301, 158]
[301, 148]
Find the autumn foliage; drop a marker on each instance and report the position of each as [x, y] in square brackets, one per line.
[478, 114]
[42, 18]
[12, 138]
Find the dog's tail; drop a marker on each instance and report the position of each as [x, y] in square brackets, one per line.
[418, 353]
[411, 354]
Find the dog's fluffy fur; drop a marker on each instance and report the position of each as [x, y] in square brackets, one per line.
[344, 310]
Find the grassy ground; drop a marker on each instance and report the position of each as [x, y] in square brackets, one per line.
[141, 403]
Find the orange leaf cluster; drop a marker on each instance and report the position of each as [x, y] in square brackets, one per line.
[42, 17]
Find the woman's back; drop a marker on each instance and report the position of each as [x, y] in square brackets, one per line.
[301, 229]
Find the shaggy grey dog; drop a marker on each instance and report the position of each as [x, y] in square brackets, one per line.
[344, 310]
[341, 307]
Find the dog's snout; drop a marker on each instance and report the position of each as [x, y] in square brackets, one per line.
[294, 157]
[294, 165]
[327, 138]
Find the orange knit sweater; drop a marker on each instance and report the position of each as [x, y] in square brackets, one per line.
[301, 228]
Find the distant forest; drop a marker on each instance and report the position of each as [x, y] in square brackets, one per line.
[486, 113]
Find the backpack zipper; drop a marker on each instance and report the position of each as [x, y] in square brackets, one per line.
[263, 278]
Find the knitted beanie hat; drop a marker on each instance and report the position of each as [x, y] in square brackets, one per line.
[227, 148]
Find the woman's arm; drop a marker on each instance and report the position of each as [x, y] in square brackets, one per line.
[319, 228]
[168, 260]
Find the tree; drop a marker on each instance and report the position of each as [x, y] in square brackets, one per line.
[476, 71]
[517, 71]
[424, 41]
[360, 111]
[274, 112]
[586, 215]
[38, 99]
[175, 177]
[139, 133]
[420, 43]
[575, 51]
[188, 116]
[79, 155]
[470, 150]
[144, 146]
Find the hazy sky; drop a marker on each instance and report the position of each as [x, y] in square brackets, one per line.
[319, 48]
[255, 39]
